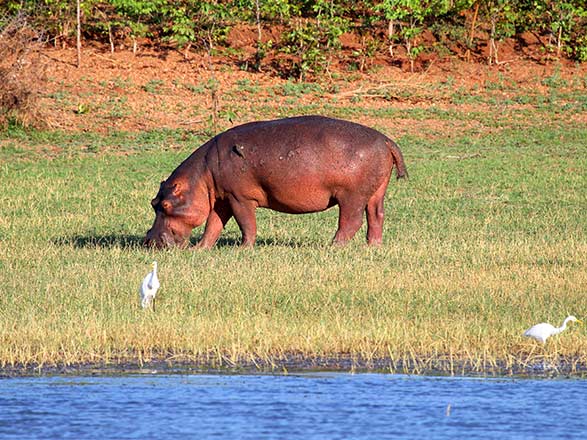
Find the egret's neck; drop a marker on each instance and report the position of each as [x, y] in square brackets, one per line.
[564, 326]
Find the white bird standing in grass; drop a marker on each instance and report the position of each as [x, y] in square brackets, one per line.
[149, 288]
[541, 332]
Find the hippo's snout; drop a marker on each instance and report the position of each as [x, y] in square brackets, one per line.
[164, 239]
[159, 240]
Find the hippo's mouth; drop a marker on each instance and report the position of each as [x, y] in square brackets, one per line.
[165, 240]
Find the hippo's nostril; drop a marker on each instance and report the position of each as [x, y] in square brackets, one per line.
[149, 242]
[164, 239]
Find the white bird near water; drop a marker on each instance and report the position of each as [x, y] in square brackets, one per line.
[149, 288]
[541, 332]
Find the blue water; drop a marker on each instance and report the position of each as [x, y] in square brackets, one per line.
[306, 406]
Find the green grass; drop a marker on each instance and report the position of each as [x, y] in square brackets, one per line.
[154, 86]
[487, 237]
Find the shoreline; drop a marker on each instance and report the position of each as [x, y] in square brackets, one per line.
[540, 367]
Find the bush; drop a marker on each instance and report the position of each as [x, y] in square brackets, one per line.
[22, 72]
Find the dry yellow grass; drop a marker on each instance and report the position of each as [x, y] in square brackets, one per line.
[486, 238]
[426, 306]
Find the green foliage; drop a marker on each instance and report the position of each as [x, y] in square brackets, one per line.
[303, 42]
[501, 16]
[270, 10]
[312, 40]
[136, 14]
[153, 86]
[566, 21]
[407, 19]
[193, 22]
[311, 29]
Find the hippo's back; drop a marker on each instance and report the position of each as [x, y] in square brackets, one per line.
[302, 164]
[319, 131]
[310, 144]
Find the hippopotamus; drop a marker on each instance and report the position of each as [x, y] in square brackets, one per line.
[294, 165]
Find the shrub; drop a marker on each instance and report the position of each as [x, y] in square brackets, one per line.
[22, 72]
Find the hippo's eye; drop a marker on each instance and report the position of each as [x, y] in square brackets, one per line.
[164, 205]
[167, 206]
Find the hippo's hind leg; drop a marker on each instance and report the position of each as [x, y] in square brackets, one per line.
[350, 218]
[375, 215]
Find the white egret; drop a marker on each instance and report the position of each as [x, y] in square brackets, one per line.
[149, 288]
[541, 332]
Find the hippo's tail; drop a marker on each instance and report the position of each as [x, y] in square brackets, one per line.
[398, 159]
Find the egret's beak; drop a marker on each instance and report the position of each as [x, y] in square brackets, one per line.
[579, 321]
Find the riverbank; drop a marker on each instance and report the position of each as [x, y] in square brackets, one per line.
[537, 366]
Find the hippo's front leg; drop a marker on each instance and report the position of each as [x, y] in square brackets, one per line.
[244, 214]
[215, 223]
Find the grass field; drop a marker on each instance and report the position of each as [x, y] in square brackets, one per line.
[487, 237]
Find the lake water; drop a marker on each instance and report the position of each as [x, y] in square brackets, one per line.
[297, 406]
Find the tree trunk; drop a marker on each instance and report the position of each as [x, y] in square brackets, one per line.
[471, 31]
[110, 38]
[390, 33]
[559, 41]
[492, 44]
[260, 51]
[79, 35]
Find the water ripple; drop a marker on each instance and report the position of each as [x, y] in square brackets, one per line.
[305, 406]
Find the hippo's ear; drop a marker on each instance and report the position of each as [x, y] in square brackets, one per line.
[176, 189]
[154, 202]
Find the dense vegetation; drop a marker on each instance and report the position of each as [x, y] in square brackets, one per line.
[310, 30]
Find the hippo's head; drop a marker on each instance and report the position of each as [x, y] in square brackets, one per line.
[178, 209]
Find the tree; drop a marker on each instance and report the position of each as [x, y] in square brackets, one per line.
[502, 15]
[406, 20]
[136, 15]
